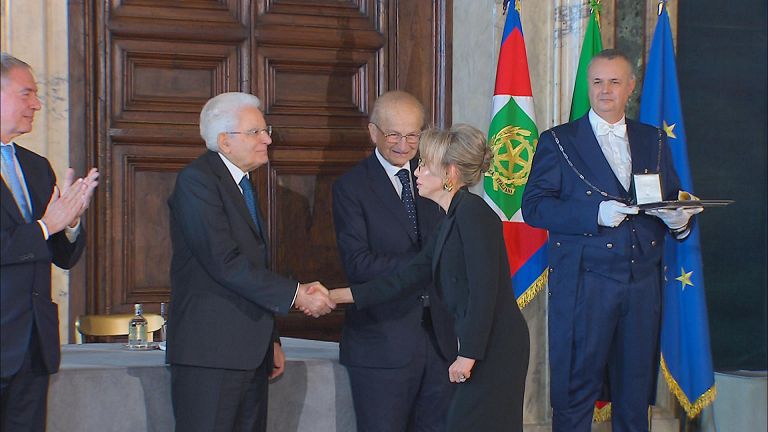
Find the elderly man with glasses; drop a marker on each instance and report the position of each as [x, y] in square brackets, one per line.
[222, 341]
[398, 377]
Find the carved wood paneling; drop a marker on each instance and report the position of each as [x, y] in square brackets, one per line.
[148, 66]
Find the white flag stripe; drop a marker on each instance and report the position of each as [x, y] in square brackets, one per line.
[525, 103]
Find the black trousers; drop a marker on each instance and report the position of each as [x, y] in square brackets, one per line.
[219, 400]
[413, 398]
[24, 395]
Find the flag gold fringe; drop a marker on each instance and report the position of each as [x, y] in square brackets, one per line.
[602, 414]
[691, 409]
[534, 289]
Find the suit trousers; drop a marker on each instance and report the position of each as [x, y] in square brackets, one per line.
[414, 397]
[24, 395]
[220, 400]
[616, 329]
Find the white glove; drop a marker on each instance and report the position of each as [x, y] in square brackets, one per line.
[675, 219]
[612, 213]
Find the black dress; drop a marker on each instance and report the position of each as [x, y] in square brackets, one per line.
[467, 260]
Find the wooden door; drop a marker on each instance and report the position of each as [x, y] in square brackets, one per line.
[147, 68]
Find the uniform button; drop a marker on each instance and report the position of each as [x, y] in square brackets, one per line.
[653, 242]
[632, 261]
[589, 192]
[551, 269]
[633, 230]
[585, 234]
[633, 246]
[35, 293]
[557, 244]
[609, 245]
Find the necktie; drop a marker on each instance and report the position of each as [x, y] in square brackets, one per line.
[14, 182]
[250, 202]
[407, 197]
[620, 130]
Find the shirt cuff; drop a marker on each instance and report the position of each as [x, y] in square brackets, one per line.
[72, 233]
[295, 294]
[44, 228]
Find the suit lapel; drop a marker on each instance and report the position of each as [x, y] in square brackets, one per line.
[9, 204]
[231, 190]
[644, 157]
[445, 228]
[385, 192]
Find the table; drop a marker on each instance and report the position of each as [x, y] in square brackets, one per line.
[104, 388]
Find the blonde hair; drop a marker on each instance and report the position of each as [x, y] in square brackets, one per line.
[462, 146]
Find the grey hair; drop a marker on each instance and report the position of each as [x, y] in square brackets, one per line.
[9, 62]
[220, 115]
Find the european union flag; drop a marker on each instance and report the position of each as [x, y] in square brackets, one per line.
[686, 359]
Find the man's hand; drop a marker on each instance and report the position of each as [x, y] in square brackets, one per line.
[612, 213]
[67, 205]
[313, 300]
[675, 219]
[64, 208]
[341, 295]
[461, 369]
[279, 363]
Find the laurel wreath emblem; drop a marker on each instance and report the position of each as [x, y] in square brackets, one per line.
[513, 149]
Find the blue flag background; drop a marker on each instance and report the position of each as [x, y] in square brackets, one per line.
[686, 358]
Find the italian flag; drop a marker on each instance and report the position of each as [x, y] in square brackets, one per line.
[513, 137]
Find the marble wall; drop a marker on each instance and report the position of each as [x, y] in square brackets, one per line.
[35, 31]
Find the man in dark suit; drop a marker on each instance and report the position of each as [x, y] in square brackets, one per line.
[222, 341]
[398, 377]
[605, 273]
[39, 225]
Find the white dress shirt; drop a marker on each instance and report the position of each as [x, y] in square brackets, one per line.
[614, 143]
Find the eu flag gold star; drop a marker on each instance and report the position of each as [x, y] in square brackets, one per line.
[517, 6]
[669, 129]
[685, 278]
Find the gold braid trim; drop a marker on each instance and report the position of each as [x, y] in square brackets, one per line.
[602, 414]
[532, 290]
[691, 409]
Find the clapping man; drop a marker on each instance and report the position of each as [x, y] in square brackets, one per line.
[39, 224]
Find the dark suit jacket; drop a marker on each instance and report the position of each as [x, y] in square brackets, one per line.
[25, 268]
[223, 298]
[556, 199]
[374, 239]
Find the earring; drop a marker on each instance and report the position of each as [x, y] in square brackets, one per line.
[447, 186]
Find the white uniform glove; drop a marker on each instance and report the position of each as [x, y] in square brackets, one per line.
[675, 219]
[612, 213]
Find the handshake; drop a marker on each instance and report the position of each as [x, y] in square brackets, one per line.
[314, 299]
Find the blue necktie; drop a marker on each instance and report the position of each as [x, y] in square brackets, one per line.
[14, 182]
[408, 202]
[250, 202]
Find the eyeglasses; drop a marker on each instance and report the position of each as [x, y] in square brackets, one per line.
[395, 137]
[254, 132]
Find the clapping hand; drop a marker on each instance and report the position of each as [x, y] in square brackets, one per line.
[312, 299]
[67, 205]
